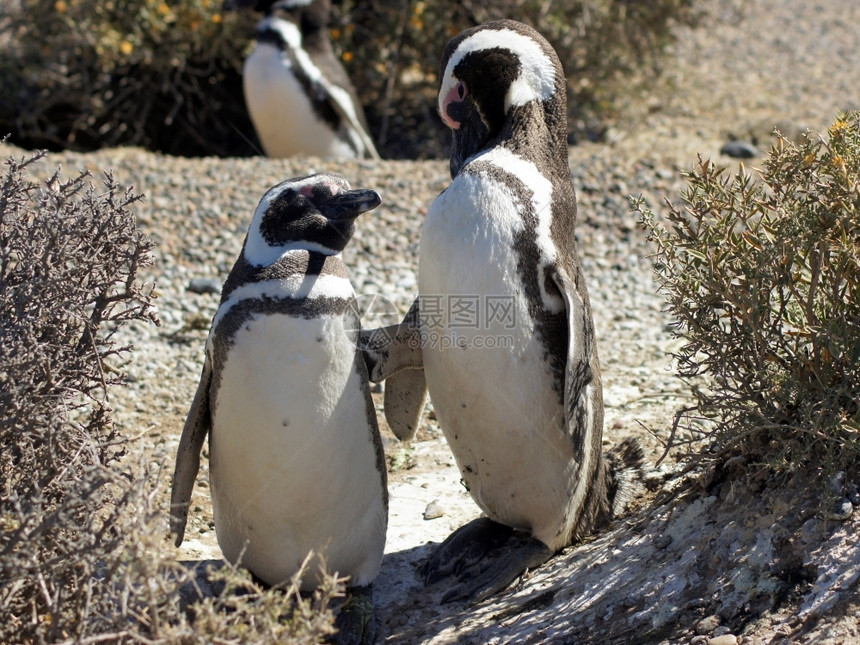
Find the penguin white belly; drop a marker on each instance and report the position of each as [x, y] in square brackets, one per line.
[493, 394]
[281, 112]
[292, 461]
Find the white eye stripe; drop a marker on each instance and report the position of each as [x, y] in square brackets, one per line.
[537, 77]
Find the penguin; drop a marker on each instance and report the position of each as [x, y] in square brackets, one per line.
[298, 94]
[501, 334]
[296, 459]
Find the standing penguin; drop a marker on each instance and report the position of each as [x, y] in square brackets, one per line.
[296, 461]
[299, 96]
[504, 330]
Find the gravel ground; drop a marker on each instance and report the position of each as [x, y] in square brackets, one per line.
[751, 66]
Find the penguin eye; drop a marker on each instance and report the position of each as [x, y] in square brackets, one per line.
[461, 91]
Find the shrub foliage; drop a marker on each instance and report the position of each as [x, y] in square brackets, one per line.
[81, 532]
[69, 256]
[84, 74]
[392, 51]
[763, 281]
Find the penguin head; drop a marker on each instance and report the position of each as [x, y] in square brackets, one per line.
[310, 16]
[496, 78]
[314, 213]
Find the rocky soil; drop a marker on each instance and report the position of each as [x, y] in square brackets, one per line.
[732, 557]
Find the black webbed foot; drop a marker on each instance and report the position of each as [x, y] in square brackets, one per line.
[356, 623]
[465, 548]
[464, 553]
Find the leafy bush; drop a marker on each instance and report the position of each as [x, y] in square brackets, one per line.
[81, 533]
[392, 52]
[84, 74]
[763, 281]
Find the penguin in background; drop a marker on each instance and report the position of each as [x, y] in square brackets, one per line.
[296, 460]
[517, 390]
[298, 94]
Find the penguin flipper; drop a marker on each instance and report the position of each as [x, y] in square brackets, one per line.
[393, 354]
[405, 394]
[340, 100]
[583, 405]
[388, 350]
[197, 425]
[589, 505]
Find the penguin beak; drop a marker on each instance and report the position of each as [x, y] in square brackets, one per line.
[469, 138]
[350, 204]
[238, 5]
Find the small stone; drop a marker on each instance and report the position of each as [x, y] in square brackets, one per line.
[837, 483]
[434, 510]
[811, 530]
[739, 150]
[725, 639]
[204, 285]
[841, 510]
[707, 625]
[852, 494]
[662, 541]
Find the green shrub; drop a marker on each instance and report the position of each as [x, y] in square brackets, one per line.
[762, 280]
[84, 74]
[81, 532]
[392, 50]
[166, 75]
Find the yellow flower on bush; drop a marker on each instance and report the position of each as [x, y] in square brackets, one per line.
[837, 162]
[125, 48]
[216, 18]
[60, 6]
[838, 127]
[347, 57]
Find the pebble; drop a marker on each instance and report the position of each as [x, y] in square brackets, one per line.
[841, 510]
[739, 150]
[434, 510]
[707, 625]
[205, 285]
[725, 639]
[662, 541]
[852, 494]
[837, 482]
[811, 530]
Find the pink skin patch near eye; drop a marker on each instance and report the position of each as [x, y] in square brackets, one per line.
[308, 190]
[454, 95]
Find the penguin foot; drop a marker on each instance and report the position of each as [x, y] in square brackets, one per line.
[501, 573]
[356, 623]
[465, 550]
